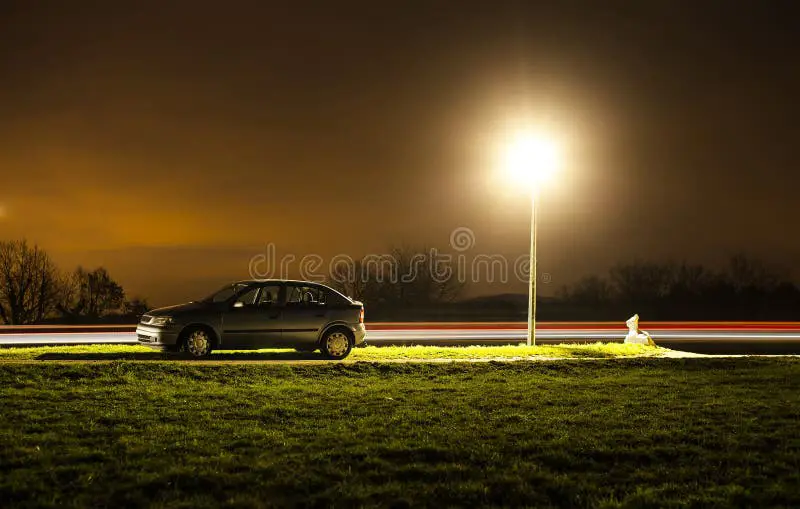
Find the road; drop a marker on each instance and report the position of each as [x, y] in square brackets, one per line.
[699, 337]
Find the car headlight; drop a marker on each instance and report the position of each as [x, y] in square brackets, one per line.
[162, 321]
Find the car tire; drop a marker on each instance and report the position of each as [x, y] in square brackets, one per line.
[197, 342]
[337, 343]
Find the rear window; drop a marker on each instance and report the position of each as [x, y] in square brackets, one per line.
[297, 295]
[304, 295]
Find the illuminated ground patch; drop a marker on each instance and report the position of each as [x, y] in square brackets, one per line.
[372, 353]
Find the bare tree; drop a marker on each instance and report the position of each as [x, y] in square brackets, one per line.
[346, 277]
[29, 283]
[417, 283]
[746, 273]
[690, 280]
[92, 294]
[589, 290]
[641, 282]
[402, 278]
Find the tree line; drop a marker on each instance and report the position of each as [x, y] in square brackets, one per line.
[744, 289]
[34, 290]
[397, 285]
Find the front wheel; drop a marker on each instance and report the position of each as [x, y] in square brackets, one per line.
[197, 343]
[337, 344]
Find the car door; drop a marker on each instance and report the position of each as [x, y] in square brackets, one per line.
[303, 315]
[251, 321]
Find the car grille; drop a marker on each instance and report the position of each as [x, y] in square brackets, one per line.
[145, 338]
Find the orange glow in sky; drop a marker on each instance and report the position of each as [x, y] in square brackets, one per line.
[172, 145]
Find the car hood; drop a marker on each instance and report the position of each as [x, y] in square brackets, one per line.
[178, 309]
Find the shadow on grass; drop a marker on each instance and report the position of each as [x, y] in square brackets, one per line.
[163, 356]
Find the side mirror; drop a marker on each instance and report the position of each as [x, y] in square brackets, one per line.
[238, 304]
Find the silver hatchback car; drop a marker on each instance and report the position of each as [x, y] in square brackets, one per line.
[249, 315]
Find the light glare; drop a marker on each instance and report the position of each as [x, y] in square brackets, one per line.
[531, 159]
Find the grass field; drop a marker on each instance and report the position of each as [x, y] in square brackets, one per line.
[622, 432]
[370, 353]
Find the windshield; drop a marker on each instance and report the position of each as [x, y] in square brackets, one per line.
[225, 293]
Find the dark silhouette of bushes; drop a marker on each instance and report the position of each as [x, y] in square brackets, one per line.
[746, 289]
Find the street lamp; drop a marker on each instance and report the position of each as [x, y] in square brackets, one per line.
[532, 159]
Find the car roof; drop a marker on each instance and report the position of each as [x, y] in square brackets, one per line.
[275, 281]
[264, 282]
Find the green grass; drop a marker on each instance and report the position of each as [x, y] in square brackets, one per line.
[624, 432]
[595, 350]
[370, 353]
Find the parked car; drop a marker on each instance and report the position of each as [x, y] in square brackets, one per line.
[249, 315]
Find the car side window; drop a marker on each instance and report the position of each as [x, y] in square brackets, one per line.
[225, 294]
[293, 295]
[304, 296]
[248, 297]
[268, 296]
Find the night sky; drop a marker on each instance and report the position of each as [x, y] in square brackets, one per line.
[170, 141]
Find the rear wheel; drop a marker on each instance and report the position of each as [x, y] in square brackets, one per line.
[337, 343]
[197, 342]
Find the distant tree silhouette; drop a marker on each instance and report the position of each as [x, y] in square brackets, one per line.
[745, 289]
[745, 273]
[92, 294]
[397, 282]
[416, 283]
[29, 283]
[641, 282]
[346, 278]
[588, 291]
[135, 307]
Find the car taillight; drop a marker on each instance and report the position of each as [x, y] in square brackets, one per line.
[361, 316]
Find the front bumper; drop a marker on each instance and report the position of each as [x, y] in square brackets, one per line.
[157, 337]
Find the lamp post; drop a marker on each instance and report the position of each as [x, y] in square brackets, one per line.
[532, 159]
[532, 269]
